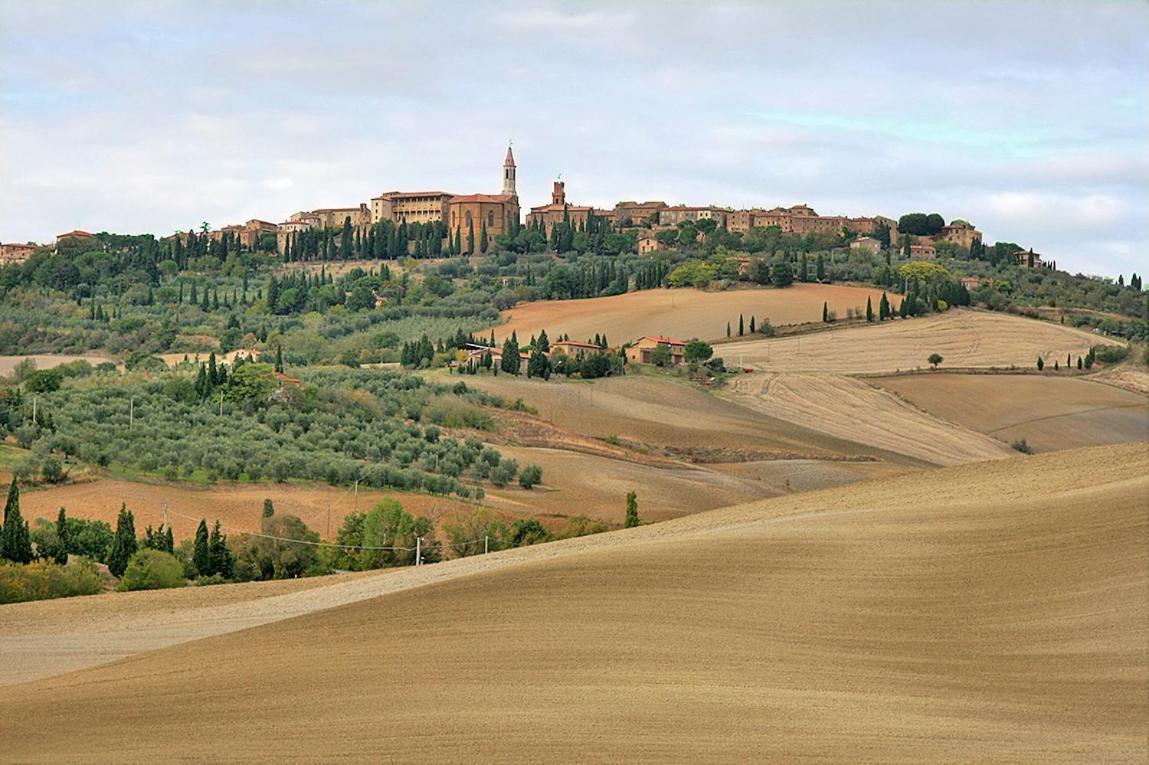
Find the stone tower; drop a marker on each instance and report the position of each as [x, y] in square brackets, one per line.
[509, 174]
[559, 194]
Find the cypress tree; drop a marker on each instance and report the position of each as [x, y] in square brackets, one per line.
[169, 541]
[869, 309]
[741, 326]
[825, 312]
[471, 238]
[728, 329]
[201, 551]
[123, 543]
[752, 325]
[222, 561]
[268, 508]
[483, 238]
[15, 542]
[64, 540]
[884, 308]
[631, 510]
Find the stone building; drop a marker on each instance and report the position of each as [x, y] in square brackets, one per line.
[641, 214]
[497, 212]
[923, 251]
[410, 206]
[672, 216]
[16, 253]
[248, 234]
[959, 232]
[558, 209]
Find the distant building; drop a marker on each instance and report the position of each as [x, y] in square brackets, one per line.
[498, 213]
[644, 214]
[246, 235]
[77, 234]
[16, 253]
[923, 251]
[641, 349]
[648, 243]
[672, 216]
[973, 282]
[802, 219]
[866, 244]
[575, 349]
[410, 206]
[960, 233]
[1028, 259]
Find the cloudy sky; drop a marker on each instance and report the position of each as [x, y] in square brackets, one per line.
[1029, 119]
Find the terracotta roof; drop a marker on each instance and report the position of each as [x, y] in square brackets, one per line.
[490, 198]
[662, 339]
[77, 232]
[392, 194]
[552, 207]
[577, 344]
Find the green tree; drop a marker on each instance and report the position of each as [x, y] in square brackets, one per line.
[268, 508]
[483, 238]
[539, 365]
[632, 519]
[869, 309]
[530, 476]
[222, 562]
[63, 537]
[15, 540]
[1040, 363]
[201, 555]
[935, 359]
[741, 326]
[884, 308]
[697, 351]
[475, 532]
[151, 569]
[825, 312]
[124, 543]
[527, 531]
[781, 274]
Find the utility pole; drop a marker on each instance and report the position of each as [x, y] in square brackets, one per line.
[328, 534]
[35, 400]
[418, 551]
[131, 413]
[221, 404]
[486, 544]
[356, 495]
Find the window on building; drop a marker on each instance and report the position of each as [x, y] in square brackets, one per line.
[490, 219]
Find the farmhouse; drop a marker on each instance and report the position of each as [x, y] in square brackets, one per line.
[1028, 259]
[647, 243]
[641, 349]
[923, 251]
[575, 349]
[77, 234]
[866, 244]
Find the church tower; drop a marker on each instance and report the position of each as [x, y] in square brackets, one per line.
[509, 174]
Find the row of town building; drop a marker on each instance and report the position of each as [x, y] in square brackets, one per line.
[639, 351]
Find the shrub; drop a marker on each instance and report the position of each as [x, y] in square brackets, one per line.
[152, 570]
[1110, 354]
[42, 580]
[1022, 446]
[530, 476]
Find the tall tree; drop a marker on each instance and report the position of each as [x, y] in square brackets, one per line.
[124, 543]
[201, 550]
[631, 510]
[15, 541]
[222, 561]
[63, 537]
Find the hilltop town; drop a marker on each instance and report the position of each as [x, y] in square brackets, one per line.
[455, 224]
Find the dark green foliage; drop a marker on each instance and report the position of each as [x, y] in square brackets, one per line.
[15, 541]
[201, 556]
[124, 544]
[221, 561]
[530, 476]
[632, 519]
[1040, 363]
[268, 508]
[527, 532]
[935, 359]
[152, 569]
[920, 224]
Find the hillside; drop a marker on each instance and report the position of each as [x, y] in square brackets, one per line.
[683, 313]
[965, 338]
[988, 612]
[1048, 412]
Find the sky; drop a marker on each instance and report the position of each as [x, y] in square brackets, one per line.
[1029, 119]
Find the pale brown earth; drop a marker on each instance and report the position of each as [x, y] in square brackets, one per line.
[237, 506]
[1127, 377]
[660, 412]
[1048, 412]
[596, 486]
[850, 408]
[681, 313]
[49, 360]
[994, 612]
[964, 337]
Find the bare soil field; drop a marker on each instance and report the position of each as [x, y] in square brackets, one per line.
[965, 338]
[983, 613]
[1048, 412]
[49, 360]
[850, 408]
[682, 313]
[585, 484]
[237, 506]
[659, 412]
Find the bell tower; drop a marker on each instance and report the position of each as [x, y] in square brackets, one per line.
[509, 174]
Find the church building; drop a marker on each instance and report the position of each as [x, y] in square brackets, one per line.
[497, 213]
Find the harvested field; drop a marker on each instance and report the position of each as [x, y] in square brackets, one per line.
[659, 412]
[585, 484]
[849, 408]
[1048, 412]
[49, 360]
[237, 506]
[683, 313]
[965, 338]
[984, 613]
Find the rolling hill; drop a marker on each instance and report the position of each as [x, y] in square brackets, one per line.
[986, 612]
